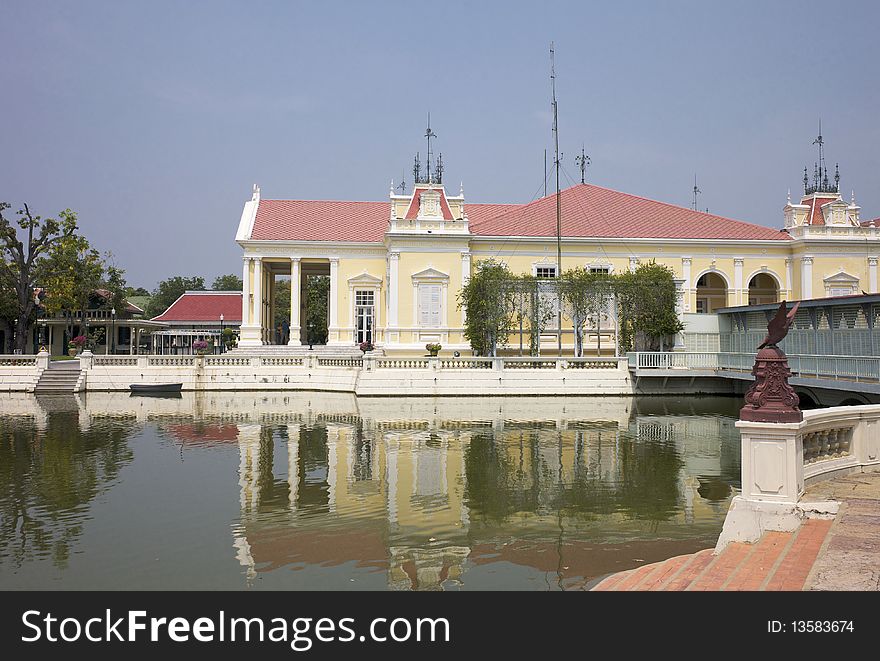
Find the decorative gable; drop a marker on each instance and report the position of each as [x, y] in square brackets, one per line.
[841, 284]
[431, 275]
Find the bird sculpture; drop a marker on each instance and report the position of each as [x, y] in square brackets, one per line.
[778, 327]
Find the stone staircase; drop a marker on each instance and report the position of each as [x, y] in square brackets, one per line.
[61, 376]
[779, 561]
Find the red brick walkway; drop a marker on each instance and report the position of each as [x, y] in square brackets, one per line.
[779, 561]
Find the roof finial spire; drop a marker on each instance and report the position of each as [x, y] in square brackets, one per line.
[402, 187]
[582, 161]
[806, 181]
[788, 197]
[417, 169]
[837, 177]
[428, 135]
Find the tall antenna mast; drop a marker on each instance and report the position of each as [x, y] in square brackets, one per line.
[697, 191]
[558, 196]
[582, 161]
[428, 135]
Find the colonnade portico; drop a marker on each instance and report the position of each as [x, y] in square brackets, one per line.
[259, 274]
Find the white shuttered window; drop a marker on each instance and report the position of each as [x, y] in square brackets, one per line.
[429, 305]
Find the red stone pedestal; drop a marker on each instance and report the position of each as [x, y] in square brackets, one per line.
[771, 398]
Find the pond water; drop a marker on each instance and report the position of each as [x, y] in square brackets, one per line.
[328, 491]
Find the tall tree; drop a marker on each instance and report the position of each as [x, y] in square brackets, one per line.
[487, 296]
[585, 297]
[22, 257]
[71, 272]
[169, 290]
[228, 282]
[646, 301]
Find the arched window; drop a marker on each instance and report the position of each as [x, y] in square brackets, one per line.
[763, 289]
[711, 293]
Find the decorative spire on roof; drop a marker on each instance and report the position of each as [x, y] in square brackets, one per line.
[434, 169]
[820, 172]
[582, 162]
[697, 191]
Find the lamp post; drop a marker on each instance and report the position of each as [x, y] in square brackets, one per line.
[113, 334]
[222, 342]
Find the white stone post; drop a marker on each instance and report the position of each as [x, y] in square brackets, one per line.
[772, 468]
[333, 329]
[294, 303]
[43, 360]
[872, 275]
[679, 312]
[806, 277]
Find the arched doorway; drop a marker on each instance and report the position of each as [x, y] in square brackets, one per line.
[711, 293]
[763, 288]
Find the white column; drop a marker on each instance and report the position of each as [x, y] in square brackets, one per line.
[807, 277]
[465, 277]
[686, 274]
[294, 302]
[333, 330]
[633, 263]
[789, 278]
[258, 294]
[872, 275]
[393, 293]
[679, 312]
[246, 291]
[738, 281]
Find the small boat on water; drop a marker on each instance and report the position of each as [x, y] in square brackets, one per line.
[155, 388]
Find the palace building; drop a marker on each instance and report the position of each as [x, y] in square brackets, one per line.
[395, 267]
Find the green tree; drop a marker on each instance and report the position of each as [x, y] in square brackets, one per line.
[169, 290]
[585, 298]
[282, 303]
[22, 258]
[489, 301]
[71, 272]
[317, 305]
[646, 301]
[229, 282]
[136, 291]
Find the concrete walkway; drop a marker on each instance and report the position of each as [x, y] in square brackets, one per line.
[823, 554]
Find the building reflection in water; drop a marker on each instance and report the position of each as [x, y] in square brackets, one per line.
[425, 495]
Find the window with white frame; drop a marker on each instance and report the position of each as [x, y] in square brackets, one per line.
[545, 271]
[596, 268]
[429, 305]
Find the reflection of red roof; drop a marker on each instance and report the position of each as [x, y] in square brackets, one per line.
[275, 546]
[196, 433]
[205, 306]
[589, 211]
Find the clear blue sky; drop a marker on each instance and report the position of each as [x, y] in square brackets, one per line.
[152, 120]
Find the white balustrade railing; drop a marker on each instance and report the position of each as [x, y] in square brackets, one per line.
[17, 360]
[114, 360]
[843, 368]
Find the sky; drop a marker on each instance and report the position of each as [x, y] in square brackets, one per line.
[153, 120]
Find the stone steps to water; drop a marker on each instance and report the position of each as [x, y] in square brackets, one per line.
[779, 561]
[61, 376]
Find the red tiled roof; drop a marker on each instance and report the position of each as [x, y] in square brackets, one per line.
[870, 223]
[589, 211]
[204, 306]
[413, 211]
[316, 220]
[816, 217]
[106, 294]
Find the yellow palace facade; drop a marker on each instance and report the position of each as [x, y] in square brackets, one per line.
[396, 267]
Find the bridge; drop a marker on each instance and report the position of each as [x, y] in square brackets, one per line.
[853, 379]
